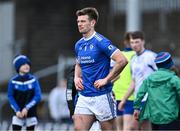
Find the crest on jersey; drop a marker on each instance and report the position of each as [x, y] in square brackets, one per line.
[110, 47]
[91, 46]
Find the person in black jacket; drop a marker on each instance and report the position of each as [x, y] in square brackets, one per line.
[71, 92]
[24, 94]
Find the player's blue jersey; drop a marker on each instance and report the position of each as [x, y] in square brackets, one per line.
[93, 55]
[24, 92]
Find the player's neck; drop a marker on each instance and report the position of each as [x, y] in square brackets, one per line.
[141, 52]
[89, 34]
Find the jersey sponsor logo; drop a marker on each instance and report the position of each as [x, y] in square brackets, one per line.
[85, 59]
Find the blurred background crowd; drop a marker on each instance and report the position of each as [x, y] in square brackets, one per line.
[46, 32]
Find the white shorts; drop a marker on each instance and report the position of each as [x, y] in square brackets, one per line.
[24, 121]
[103, 106]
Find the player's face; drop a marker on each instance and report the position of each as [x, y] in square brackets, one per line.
[84, 24]
[137, 45]
[24, 69]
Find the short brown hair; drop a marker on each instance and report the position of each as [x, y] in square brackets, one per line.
[90, 11]
[137, 35]
[127, 36]
[126, 39]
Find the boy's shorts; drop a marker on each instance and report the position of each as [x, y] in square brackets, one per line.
[128, 108]
[24, 121]
[103, 106]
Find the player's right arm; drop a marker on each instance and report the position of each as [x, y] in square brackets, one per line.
[11, 99]
[127, 95]
[77, 77]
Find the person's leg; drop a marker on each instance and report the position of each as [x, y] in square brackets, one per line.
[127, 115]
[17, 123]
[134, 124]
[105, 111]
[16, 127]
[30, 128]
[83, 122]
[83, 116]
[119, 123]
[127, 118]
[145, 125]
[119, 119]
[31, 122]
[109, 125]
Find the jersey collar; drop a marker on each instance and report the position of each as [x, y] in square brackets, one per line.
[141, 52]
[86, 39]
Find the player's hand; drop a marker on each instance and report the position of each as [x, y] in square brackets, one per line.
[99, 83]
[78, 83]
[121, 105]
[24, 112]
[136, 114]
[19, 114]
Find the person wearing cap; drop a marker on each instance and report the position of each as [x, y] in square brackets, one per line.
[24, 94]
[163, 88]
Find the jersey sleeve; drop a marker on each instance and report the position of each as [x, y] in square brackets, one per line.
[131, 66]
[11, 99]
[107, 47]
[37, 97]
[151, 64]
[76, 51]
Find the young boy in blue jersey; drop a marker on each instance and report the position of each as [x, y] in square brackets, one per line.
[93, 76]
[24, 94]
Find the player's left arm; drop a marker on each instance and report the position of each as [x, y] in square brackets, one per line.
[120, 63]
[37, 97]
[111, 66]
